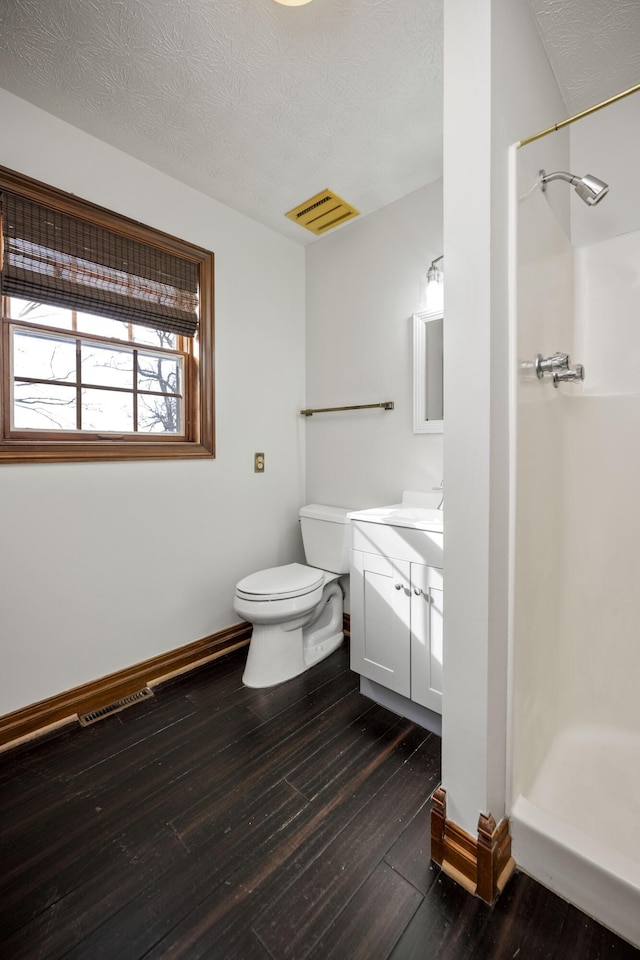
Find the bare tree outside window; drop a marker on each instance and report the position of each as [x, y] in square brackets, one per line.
[65, 379]
[106, 334]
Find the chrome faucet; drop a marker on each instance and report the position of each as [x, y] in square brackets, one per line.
[441, 489]
[559, 368]
[559, 361]
[570, 375]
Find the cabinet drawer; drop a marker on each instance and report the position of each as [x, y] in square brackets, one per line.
[403, 543]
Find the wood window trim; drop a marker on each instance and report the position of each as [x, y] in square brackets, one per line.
[199, 385]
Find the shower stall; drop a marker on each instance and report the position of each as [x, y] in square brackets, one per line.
[575, 515]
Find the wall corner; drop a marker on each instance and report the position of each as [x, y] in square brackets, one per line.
[483, 865]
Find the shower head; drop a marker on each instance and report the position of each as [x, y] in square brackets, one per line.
[588, 188]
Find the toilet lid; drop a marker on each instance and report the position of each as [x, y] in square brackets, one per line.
[280, 583]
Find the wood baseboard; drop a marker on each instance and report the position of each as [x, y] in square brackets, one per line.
[46, 715]
[483, 865]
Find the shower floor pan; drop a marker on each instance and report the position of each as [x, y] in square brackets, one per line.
[578, 832]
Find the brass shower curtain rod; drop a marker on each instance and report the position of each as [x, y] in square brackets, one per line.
[579, 116]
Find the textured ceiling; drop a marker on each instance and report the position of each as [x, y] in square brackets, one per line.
[262, 106]
[256, 104]
[593, 47]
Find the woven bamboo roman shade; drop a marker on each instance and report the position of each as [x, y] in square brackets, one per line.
[55, 258]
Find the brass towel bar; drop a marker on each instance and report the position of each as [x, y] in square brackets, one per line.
[387, 405]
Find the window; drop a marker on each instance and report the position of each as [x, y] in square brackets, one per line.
[107, 334]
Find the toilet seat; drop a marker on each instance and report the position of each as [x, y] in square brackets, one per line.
[280, 583]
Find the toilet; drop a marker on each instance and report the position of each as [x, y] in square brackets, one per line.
[296, 609]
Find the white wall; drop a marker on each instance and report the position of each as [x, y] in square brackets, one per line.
[607, 144]
[576, 653]
[544, 325]
[363, 285]
[104, 565]
[607, 300]
[600, 609]
[600, 624]
[600, 651]
[498, 89]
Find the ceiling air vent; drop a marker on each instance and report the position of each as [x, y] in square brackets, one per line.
[322, 212]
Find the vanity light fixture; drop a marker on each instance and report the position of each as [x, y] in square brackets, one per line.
[434, 292]
[293, 3]
[434, 275]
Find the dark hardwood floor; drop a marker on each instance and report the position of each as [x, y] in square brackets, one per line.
[220, 822]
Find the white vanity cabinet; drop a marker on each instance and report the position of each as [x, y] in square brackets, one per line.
[396, 608]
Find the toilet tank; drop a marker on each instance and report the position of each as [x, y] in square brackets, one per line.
[326, 535]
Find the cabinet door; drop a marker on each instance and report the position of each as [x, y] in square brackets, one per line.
[380, 611]
[426, 636]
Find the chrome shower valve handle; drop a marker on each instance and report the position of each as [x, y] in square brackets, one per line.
[559, 368]
[558, 362]
[572, 375]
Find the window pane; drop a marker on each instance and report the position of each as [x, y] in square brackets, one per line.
[39, 313]
[107, 366]
[42, 357]
[158, 414]
[44, 406]
[107, 411]
[117, 329]
[102, 326]
[159, 373]
[154, 338]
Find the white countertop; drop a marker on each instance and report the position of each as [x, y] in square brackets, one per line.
[403, 515]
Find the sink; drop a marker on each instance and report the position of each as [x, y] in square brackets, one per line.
[424, 518]
[403, 515]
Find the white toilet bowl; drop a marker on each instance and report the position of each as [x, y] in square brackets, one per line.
[292, 629]
[297, 610]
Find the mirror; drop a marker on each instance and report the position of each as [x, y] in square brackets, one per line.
[428, 403]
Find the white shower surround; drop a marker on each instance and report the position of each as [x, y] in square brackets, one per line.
[575, 730]
[554, 831]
